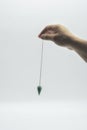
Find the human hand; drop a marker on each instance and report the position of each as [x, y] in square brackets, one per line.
[58, 34]
[63, 37]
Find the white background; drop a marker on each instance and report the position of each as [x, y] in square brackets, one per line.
[64, 75]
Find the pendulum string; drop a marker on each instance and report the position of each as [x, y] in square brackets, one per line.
[41, 62]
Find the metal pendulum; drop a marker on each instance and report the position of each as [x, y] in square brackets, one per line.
[39, 88]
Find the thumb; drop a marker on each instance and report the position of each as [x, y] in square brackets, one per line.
[47, 36]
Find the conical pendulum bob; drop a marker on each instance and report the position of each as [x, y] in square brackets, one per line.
[39, 88]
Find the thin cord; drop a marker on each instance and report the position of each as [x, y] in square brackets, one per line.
[41, 62]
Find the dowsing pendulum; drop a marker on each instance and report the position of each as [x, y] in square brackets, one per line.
[39, 88]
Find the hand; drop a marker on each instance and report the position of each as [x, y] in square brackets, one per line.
[58, 34]
[63, 37]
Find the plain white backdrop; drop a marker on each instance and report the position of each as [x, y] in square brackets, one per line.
[64, 74]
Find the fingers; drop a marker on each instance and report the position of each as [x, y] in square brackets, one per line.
[42, 32]
[48, 29]
[47, 36]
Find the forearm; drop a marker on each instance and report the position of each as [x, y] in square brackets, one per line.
[80, 46]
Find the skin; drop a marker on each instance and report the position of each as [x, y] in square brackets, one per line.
[61, 36]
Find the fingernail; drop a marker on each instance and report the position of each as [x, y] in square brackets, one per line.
[39, 35]
[42, 36]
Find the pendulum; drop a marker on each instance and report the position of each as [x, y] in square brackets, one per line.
[39, 88]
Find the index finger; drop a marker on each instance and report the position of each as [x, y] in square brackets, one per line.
[47, 29]
[43, 31]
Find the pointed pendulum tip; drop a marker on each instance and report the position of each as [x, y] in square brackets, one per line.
[39, 88]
